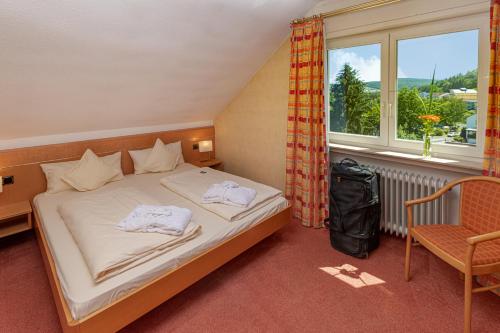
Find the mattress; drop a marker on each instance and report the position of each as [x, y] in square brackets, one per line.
[82, 294]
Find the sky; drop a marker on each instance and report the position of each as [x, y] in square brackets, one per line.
[451, 53]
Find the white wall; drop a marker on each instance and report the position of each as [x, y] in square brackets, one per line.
[99, 66]
[249, 133]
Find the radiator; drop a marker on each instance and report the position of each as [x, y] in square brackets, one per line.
[398, 186]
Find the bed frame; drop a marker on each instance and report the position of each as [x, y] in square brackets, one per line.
[24, 164]
[127, 309]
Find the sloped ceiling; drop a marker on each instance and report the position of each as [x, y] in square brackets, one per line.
[87, 65]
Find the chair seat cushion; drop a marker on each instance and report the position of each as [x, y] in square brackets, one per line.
[452, 240]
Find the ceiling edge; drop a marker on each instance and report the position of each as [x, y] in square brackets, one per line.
[91, 135]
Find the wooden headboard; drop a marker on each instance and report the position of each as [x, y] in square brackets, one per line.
[29, 180]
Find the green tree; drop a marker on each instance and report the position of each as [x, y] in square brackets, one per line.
[452, 110]
[370, 120]
[467, 80]
[349, 101]
[356, 109]
[409, 108]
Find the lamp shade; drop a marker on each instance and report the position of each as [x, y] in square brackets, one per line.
[205, 146]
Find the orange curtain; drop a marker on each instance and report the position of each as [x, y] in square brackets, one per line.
[492, 141]
[306, 157]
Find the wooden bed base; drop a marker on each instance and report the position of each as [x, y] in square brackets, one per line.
[127, 309]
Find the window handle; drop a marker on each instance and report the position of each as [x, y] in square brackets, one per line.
[390, 110]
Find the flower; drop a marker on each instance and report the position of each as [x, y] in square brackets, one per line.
[429, 120]
[430, 117]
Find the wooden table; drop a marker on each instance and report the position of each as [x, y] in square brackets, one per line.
[213, 163]
[15, 218]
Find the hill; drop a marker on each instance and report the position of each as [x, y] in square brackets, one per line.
[404, 82]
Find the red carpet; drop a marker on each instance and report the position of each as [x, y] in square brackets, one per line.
[274, 287]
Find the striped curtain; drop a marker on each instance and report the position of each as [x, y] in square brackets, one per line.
[306, 153]
[492, 142]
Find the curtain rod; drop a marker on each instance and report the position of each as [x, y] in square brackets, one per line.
[350, 9]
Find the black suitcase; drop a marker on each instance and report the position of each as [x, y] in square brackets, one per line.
[355, 208]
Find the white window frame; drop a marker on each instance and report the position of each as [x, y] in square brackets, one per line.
[388, 98]
[365, 39]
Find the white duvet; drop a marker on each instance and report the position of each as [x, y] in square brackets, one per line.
[107, 251]
[192, 184]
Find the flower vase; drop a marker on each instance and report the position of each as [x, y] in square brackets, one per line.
[427, 146]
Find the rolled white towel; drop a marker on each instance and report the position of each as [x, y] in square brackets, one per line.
[169, 220]
[229, 193]
[215, 193]
[239, 196]
[229, 184]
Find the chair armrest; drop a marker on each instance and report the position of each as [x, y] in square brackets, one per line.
[435, 195]
[484, 237]
[424, 199]
[410, 203]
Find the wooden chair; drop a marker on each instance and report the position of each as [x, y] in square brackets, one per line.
[472, 246]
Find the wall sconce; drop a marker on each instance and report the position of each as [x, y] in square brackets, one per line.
[206, 147]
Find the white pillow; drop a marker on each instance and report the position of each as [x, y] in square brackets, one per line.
[160, 158]
[139, 156]
[90, 173]
[54, 171]
[176, 148]
[114, 161]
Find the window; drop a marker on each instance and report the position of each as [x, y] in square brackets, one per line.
[355, 90]
[380, 83]
[442, 82]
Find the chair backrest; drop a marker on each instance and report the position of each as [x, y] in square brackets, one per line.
[480, 205]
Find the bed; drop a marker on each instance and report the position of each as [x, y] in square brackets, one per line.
[85, 306]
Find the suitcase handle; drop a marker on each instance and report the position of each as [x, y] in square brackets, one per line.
[352, 162]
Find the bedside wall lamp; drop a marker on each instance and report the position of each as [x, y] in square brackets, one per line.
[206, 146]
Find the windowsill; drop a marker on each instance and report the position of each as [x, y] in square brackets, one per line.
[450, 164]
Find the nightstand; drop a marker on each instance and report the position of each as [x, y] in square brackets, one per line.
[213, 163]
[15, 218]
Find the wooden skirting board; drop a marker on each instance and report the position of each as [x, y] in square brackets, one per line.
[29, 180]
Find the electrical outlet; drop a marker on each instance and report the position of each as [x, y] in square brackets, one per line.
[8, 180]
